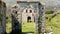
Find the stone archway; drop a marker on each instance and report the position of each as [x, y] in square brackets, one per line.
[28, 19]
[39, 19]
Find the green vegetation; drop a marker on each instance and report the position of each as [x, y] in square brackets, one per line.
[28, 27]
[8, 25]
[49, 11]
[53, 25]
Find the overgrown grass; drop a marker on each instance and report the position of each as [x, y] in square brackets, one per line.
[28, 27]
[8, 28]
[53, 25]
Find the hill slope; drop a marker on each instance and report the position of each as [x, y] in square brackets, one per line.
[54, 24]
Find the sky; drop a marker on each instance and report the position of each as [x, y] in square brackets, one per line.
[48, 3]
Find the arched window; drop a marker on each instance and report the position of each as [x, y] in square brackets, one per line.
[30, 11]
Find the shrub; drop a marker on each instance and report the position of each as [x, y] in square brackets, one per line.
[49, 11]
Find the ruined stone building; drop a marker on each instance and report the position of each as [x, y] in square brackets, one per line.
[2, 17]
[25, 11]
[29, 10]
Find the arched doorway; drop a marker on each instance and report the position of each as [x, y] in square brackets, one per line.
[28, 19]
[39, 17]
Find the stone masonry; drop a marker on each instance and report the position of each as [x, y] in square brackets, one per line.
[2, 17]
[25, 11]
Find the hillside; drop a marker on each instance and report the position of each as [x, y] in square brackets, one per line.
[54, 24]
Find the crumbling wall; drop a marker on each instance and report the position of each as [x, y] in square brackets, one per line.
[2, 17]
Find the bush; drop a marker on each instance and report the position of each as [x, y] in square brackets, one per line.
[49, 11]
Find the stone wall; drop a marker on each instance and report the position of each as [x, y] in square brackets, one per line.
[39, 17]
[16, 22]
[2, 17]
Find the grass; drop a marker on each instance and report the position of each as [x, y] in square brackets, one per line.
[26, 27]
[55, 24]
[30, 27]
[8, 27]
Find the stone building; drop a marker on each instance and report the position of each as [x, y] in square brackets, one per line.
[2, 17]
[28, 10]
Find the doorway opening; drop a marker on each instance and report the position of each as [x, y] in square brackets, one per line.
[28, 19]
[29, 26]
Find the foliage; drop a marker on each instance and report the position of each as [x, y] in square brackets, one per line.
[49, 11]
[54, 24]
[28, 27]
